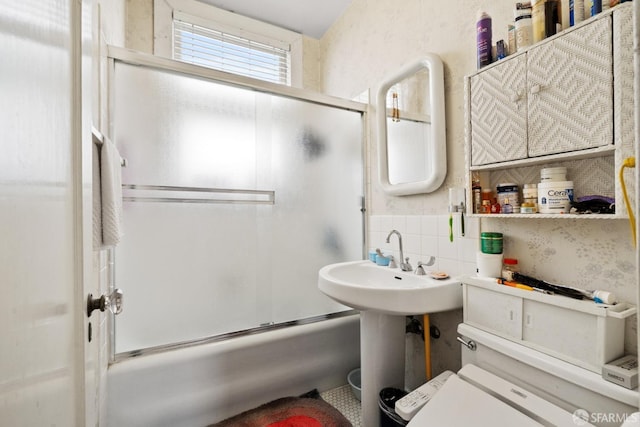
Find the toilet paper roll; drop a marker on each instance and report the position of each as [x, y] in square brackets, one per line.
[489, 265]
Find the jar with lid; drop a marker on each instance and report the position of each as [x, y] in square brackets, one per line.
[491, 243]
[508, 191]
[509, 266]
[528, 208]
[557, 174]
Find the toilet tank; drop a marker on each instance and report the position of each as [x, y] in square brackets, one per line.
[571, 387]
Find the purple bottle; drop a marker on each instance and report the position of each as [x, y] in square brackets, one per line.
[483, 39]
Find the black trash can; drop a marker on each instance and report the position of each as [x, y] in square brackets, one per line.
[387, 402]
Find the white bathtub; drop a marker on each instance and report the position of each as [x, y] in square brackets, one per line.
[200, 385]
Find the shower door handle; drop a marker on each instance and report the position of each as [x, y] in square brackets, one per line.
[113, 301]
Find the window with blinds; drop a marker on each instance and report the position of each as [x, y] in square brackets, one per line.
[226, 52]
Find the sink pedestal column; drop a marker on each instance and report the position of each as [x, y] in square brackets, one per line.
[382, 355]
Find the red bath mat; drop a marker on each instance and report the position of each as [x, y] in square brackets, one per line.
[297, 421]
[289, 412]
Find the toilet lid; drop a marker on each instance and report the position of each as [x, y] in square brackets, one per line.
[460, 404]
[476, 397]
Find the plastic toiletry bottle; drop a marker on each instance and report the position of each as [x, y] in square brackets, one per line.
[537, 18]
[501, 51]
[530, 197]
[476, 190]
[486, 207]
[487, 194]
[495, 206]
[511, 37]
[546, 18]
[506, 208]
[576, 12]
[523, 23]
[483, 39]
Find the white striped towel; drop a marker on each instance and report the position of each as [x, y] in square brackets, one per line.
[111, 193]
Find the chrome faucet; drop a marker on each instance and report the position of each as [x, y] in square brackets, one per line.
[404, 262]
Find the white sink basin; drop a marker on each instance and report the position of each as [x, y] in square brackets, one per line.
[364, 285]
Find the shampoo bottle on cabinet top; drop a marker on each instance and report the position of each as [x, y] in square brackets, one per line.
[483, 39]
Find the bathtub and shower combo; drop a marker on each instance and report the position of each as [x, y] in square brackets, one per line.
[235, 194]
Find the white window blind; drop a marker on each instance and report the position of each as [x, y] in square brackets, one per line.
[226, 52]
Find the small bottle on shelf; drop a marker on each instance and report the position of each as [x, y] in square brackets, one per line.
[506, 208]
[476, 192]
[495, 206]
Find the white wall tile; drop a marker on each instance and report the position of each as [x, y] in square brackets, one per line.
[428, 235]
[400, 223]
[429, 225]
[414, 224]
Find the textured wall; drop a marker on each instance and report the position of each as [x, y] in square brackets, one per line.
[139, 25]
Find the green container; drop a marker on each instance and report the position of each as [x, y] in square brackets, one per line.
[491, 243]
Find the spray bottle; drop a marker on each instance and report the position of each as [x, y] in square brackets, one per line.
[483, 39]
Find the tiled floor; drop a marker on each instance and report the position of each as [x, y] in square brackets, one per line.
[343, 400]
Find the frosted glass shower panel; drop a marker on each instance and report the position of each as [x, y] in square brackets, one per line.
[194, 268]
[185, 274]
[185, 131]
[318, 173]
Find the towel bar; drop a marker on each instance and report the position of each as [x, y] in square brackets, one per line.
[98, 139]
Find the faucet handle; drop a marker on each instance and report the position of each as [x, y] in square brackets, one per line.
[420, 269]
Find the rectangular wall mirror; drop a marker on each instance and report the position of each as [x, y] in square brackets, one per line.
[411, 128]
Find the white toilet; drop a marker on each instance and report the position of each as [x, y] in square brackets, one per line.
[503, 383]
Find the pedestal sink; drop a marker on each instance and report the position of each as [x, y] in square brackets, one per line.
[384, 296]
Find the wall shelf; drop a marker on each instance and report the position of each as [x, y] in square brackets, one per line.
[551, 216]
[590, 153]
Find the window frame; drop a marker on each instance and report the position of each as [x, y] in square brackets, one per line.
[227, 22]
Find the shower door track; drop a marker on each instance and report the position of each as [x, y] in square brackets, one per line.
[118, 357]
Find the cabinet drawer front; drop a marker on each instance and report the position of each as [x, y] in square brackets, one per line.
[570, 91]
[493, 312]
[499, 113]
[577, 337]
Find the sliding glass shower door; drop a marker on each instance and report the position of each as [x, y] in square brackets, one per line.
[233, 199]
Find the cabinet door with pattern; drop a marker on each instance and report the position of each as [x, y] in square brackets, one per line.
[499, 113]
[570, 91]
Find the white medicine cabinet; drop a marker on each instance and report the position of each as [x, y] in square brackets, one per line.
[566, 101]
